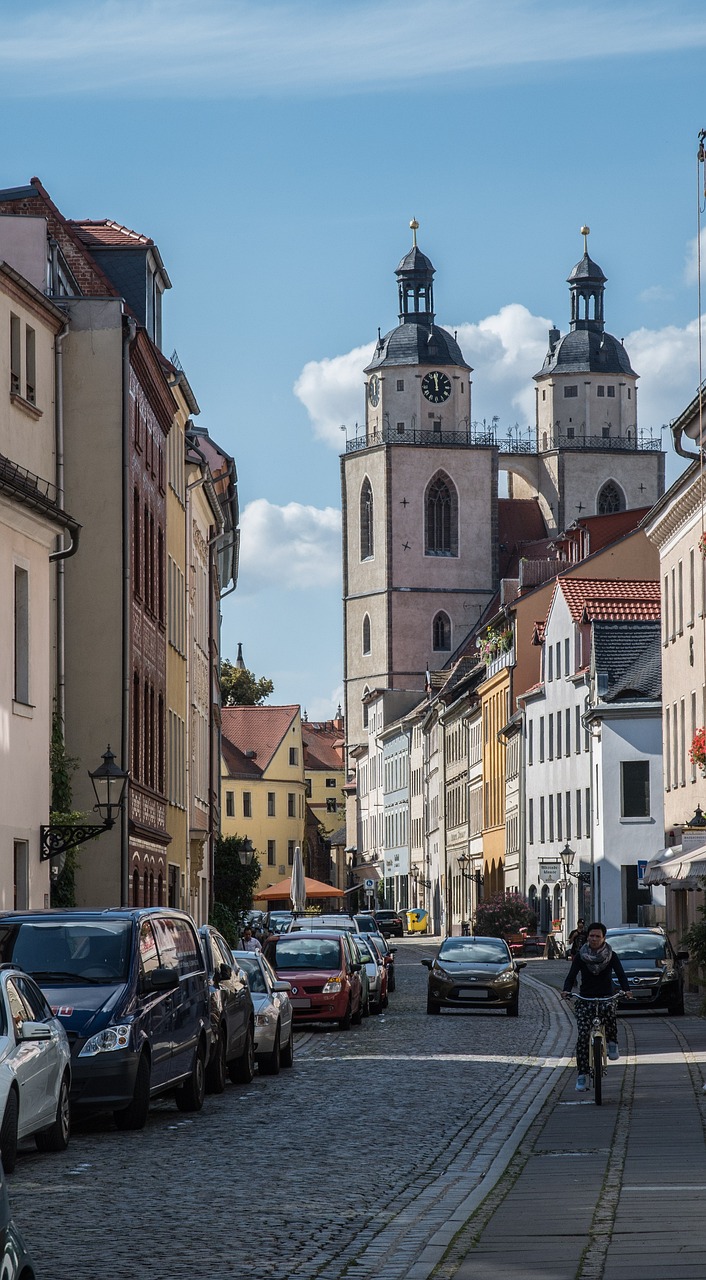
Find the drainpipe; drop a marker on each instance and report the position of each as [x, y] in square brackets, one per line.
[129, 332]
[679, 448]
[61, 554]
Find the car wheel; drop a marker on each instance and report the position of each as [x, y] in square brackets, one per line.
[433, 1006]
[288, 1050]
[269, 1063]
[357, 1017]
[677, 1009]
[8, 1134]
[384, 1002]
[513, 1009]
[134, 1115]
[216, 1069]
[366, 1006]
[56, 1137]
[242, 1070]
[345, 1022]
[391, 981]
[191, 1094]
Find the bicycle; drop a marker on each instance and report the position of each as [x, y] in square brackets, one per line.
[598, 1058]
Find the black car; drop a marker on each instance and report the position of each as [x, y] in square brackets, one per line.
[472, 973]
[653, 968]
[390, 923]
[131, 989]
[232, 1015]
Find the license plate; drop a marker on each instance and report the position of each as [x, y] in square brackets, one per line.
[300, 1003]
[473, 993]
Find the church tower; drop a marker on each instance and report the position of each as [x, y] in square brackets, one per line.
[591, 458]
[419, 505]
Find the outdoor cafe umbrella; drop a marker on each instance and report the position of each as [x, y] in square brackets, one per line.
[297, 891]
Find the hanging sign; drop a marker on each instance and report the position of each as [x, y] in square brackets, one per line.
[550, 872]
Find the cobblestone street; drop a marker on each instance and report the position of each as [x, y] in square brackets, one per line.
[347, 1165]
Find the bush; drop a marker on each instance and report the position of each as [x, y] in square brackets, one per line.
[504, 913]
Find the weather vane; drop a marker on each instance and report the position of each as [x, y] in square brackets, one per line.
[415, 227]
[585, 232]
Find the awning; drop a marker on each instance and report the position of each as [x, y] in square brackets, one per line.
[280, 892]
[677, 868]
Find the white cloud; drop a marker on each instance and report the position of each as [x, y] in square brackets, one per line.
[505, 350]
[331, 391]
[667, 362]
[691, 266]
[292, 547]
[323, 708]
[242, 48]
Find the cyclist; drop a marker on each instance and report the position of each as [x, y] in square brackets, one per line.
[595, 962]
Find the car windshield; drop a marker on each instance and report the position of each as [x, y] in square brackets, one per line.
[638, 946]
[466, 951]
[379, 943]
[366, 924]
[68, 952]
[254, 974]
[307, 953]
[365, 952]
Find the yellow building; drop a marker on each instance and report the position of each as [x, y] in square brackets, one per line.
[263, 791]
[324, 771]
[495, 701]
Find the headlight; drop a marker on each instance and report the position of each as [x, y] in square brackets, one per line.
[263, 1019]
[507, 976]
[333, 985]
[438, 973]
[107, 1041]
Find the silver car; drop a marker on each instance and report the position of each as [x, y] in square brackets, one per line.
[274, 1030]
[375, 969]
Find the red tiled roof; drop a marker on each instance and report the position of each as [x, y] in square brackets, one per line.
[258, 729]
[322, 746]
[610, 599]
[105, 233]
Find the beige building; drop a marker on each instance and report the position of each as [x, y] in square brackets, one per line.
[324, 771]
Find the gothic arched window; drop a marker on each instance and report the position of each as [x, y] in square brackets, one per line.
[441, 632]
[441, 517]
[366, 634]
[366, 520]
[610, 499]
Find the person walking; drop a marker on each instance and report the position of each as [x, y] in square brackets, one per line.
[577, 938]
[249, 942]
[595, 963]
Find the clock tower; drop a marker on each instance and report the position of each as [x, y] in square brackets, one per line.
[419, 505]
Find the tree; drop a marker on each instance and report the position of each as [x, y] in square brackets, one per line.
[63, 768]
[241, 688]
[233, 887]
[502, 914]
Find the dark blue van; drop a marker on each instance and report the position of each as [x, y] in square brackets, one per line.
[131, 989]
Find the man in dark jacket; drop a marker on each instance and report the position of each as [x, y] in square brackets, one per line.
[595, 962]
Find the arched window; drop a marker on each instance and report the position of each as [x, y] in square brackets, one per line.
[441, 517]
[441, 632]
[366, 634]
[366, 520]
[610, 499]
[366, 691]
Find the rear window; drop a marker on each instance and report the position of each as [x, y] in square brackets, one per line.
[462, 950]
[76, 951]
[307, 953]
[638, 946]
[177, 944]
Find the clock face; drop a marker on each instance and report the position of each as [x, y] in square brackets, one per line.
[374, 389]
[436, 387]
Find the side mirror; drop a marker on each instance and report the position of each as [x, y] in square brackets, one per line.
[224, 972]
[165, 978]
[281, 986]
[427, 963]
[33, 1031]
[392, 949]
[356, 966]
[520, 964]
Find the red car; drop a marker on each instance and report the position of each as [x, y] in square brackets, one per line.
[326, 983]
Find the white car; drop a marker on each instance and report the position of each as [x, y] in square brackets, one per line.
[340, 922]
[35, 1069]
[274, 1028]
[377, 978]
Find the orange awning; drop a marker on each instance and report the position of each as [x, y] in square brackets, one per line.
[314, 889]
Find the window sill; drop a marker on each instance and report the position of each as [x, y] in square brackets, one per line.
[24, 709]
[632, 822]
[25, 405]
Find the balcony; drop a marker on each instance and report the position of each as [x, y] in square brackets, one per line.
[487, 438]
[641, 443]
[503, 660]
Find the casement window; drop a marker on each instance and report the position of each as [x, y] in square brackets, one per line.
[21, 641]
[635, 788]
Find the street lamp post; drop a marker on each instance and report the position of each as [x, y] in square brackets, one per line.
[109, 783]
[567, 856]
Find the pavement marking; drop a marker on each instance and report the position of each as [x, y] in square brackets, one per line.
[510, 1060]
[663, 1186]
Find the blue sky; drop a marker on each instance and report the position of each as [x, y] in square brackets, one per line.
[276, 153]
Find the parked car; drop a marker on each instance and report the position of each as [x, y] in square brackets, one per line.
[326, 984]
[471, 973]
[387, 954]
[15, 1262]
[376, 969]
[130, 987]
[366, 922]
[277, 921]
[336, 920]
[653, 968]
[35, 1070]
[274, 1024]
[232, 1015]
[390, 923]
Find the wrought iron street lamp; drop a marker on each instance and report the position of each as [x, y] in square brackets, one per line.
[109, 783]
[246, 852]
[567, 856]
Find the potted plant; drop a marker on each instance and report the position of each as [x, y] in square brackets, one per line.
[697, 750]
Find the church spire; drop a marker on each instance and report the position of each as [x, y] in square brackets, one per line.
[415, 277]
[587, 287]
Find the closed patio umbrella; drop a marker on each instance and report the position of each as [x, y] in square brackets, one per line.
[297, 891]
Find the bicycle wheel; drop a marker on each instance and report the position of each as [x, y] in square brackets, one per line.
[597, 1058]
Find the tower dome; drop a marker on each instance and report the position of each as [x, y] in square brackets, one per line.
[586, 348]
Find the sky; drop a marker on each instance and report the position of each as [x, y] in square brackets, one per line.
[276, 152]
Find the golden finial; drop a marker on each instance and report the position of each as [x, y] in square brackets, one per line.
[415, 227]
[585, 232]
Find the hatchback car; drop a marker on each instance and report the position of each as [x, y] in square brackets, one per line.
[390, 923]
[274, 1024]
[472, 973]
[653, 968]
[387, 955]
[326, 984]
[232, 1015]
[35, 1070]
[299, 924]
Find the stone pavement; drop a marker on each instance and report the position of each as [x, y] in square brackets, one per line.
[616, 1192]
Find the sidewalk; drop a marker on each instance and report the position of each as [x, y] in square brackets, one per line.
[616, 1192]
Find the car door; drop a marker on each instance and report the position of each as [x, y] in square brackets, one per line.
[156, 1007]
[280, 999]
[235, 996]
[179, 946]
[55, 1057]
[28, 1060]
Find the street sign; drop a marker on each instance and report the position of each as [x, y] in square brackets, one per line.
[641, 865]
[369, 884]
[550, 872]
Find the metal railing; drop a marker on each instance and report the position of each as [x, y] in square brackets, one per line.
[485, 439]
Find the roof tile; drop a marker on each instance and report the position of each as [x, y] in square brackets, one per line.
[258, 729]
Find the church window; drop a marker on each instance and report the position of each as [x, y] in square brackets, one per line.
[629, 393]
[366, 634]
[570, 433]
[605, 432]
[400, 428]
[366, 521]
[441, 517]
[610, 499]
[544, 395]
[400, 384]
[600, 391]
[570, 393]
[441, 632]
[611, 393]
[437, 424]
